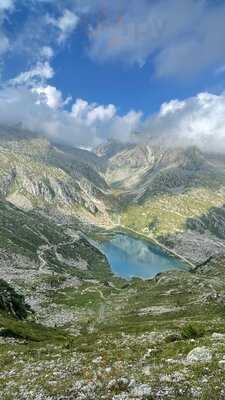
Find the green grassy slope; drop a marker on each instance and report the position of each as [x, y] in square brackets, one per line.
[142, 331]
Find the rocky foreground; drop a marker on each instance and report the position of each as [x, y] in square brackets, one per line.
[116, 340]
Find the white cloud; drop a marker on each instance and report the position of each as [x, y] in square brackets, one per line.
[92, 113]
[39, 73]
[50, 95]
[45, 28]
[199, 121]
[171, 107]
[46, 52]
[6, 5]
[85, 125]
[66, 24]
[179, 37]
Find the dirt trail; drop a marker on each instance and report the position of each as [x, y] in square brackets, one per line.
[44, 248]
[93, 290]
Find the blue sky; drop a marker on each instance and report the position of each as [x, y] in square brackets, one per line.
[105, 68]
[127, 85]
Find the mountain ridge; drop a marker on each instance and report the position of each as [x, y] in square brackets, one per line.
[159, 192]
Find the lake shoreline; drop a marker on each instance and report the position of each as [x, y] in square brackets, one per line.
[159, 244]
[120, 229]
[131, 255]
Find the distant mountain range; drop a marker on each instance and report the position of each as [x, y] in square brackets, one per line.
[175, 195]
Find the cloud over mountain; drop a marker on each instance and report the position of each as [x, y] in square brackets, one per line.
[84, 125]
[137, 33]
[199, 121]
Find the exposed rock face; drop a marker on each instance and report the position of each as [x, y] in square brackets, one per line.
[196, 247]
[37, 174]
[199, 354]
[153, 168]
[127, 168]
[222, 364]
[6, 180]
[110, 148]
[141, 391]
[218, 336]
[130, 389]
[174, 194]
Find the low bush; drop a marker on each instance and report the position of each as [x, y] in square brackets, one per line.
[191, 331]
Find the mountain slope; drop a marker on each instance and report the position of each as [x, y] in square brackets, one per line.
[37, 174]
[165, 193]
[154, 189]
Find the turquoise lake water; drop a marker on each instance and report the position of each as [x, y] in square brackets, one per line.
[131, 257]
